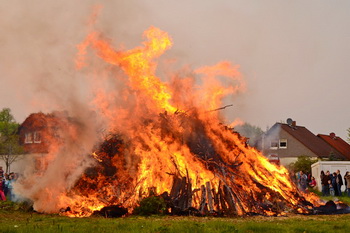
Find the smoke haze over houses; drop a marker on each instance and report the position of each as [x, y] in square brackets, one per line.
[294, 55]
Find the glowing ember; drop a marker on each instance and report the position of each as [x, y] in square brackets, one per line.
[164, 138]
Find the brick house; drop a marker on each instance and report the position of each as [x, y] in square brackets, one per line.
[36, 134]
[32, 132]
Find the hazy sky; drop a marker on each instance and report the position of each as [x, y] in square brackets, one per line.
[294, 55]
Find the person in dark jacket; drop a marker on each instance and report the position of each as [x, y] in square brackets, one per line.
[345, 182]
[347, 179]
[339, 181]
[334, 183]
[325, 185]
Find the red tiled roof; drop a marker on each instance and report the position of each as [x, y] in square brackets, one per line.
[310, 140]
[46, 125]
[338, 143]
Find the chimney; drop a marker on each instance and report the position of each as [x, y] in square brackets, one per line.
[333, 136]
[294, 123]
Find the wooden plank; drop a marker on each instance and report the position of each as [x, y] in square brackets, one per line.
[229, 199]
[176, 187]
[221, 198]
[216, 200]
[209, 197]
[189, 193]
[183, 198]
[203, 200]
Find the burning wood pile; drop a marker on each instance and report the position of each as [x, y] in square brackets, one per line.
[206, 183]
[164, 139]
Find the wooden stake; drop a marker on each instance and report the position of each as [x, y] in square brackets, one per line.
[210, 198]
[203, 200]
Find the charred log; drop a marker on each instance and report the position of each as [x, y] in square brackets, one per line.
[112, 211]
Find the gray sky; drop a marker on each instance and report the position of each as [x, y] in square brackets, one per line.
[294, 55]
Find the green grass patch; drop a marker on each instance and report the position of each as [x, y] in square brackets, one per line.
[17, 218]
[18, 221]
[344, 198]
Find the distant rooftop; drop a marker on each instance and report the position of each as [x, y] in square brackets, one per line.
[339, 144]
[310, 140]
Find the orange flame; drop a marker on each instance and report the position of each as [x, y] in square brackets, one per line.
[163, 137]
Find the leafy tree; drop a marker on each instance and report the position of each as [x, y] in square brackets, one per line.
[10, 150]
[303, 163]
[254, 133]
[334, 157]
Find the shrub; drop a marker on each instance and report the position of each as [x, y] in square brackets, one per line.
[303, 163]
[150, 206]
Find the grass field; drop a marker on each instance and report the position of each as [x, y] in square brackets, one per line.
[15, 218]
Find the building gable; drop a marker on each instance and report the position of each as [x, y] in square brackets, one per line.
[290, 140]
[282, 144]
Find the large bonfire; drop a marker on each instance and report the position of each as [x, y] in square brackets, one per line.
[160, 138]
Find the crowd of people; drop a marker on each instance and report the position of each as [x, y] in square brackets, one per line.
[305, 181]
[332, 183]
[6, 185]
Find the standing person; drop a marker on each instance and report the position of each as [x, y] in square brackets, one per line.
[293, 177]
[325, 185]
[297, 176]
[322, 174]
[339, 182]
[334, 183]
[6, 181]
[345, 182]
[303, 181]
[10, 193]
[308, 177]
[321, 178]
[347, 179]
[2, 185]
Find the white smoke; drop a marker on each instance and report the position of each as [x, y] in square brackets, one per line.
[40, 47]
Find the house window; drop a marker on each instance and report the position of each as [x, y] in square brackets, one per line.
[37, 137]
[28, 138]
[283, 144]
[274, 145]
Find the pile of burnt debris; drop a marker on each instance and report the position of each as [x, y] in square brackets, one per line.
[332, 208]
[112, 211]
